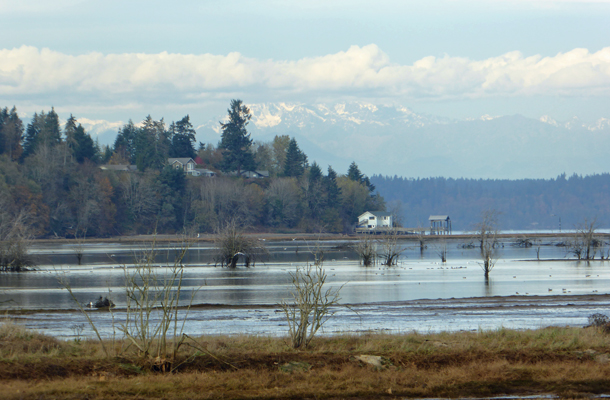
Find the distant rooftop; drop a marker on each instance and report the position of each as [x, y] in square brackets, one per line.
[438, 218]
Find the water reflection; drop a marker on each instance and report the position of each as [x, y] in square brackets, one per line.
[417, 276]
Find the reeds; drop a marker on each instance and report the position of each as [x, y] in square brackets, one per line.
[568, 362]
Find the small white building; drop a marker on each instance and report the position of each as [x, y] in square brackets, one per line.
[375, 220]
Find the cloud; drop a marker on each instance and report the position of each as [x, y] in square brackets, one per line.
[28, 72]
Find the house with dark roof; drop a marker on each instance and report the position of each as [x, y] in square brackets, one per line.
[375, 220]
[186, 164]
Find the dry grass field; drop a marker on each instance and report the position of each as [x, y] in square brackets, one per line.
[568, 362]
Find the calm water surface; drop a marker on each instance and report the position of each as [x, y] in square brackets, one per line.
[421, 293]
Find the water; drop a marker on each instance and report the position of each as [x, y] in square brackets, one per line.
[420, 293]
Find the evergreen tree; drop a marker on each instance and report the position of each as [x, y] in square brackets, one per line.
[235, 141]
[152, 145]
[354, 174]
[32, 135]
[51, 132]
[296, 160]
[315, 173]
[11, 133]
[333, 192]
[3, 121]
[332, 215]
[183, 138]
[125, 142]
[315, 191]
[171, 189]
[70, 131]
[85, 148]
[106, 153]
[43, 130]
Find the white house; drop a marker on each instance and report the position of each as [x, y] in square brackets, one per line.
[375, 220]
[186, 164]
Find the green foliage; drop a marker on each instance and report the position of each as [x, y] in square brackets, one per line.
[235, 140]
[182, 136]
[43, 130]
[84, 148]
[333, 192]
[354, 174]
[296, 160]
[172, 185]
[125, 142]
[68, 196]
[11, 133]
[151, 145]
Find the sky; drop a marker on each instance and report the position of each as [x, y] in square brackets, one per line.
[116, 60]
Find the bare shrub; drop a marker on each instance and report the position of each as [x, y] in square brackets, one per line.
[421, 238]
[523, 241]
[231, 243]
[366, 250]
[598, 320]
[441, 250]
[79, 247]
[584, 244]
[312, 305]
[486, 232]
[390, 249]
[65, 283]
[152, 303]
[152, 323]
[15, 240]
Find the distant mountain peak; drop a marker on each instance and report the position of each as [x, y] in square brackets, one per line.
[577, 123]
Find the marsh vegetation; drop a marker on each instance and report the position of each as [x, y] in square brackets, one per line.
[567, 362]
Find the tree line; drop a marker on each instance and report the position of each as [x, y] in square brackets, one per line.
[521, 204]
[50, 177]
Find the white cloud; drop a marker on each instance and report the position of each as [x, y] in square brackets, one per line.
[27, 72]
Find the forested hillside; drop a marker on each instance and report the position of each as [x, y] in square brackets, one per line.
[523, 204]
[51, 184]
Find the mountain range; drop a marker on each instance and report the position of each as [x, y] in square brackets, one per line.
[394, 140]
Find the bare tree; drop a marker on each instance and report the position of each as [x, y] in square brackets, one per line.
[390, 249]
[366, 250]
[441, 250]
[585, 244]
[312, 305]
[486, 232]
[231, 243]
[15, 239]
[421, 238]
[220, 200]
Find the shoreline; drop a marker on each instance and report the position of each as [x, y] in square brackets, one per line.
[301, 236]
[485, 303]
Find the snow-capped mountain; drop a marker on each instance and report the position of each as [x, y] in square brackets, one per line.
[576, 123]
[394, 140]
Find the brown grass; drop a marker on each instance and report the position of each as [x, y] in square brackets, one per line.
[569, 362]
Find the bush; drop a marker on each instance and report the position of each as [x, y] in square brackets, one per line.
[598, 320]
[311, 308]
[231, 243]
